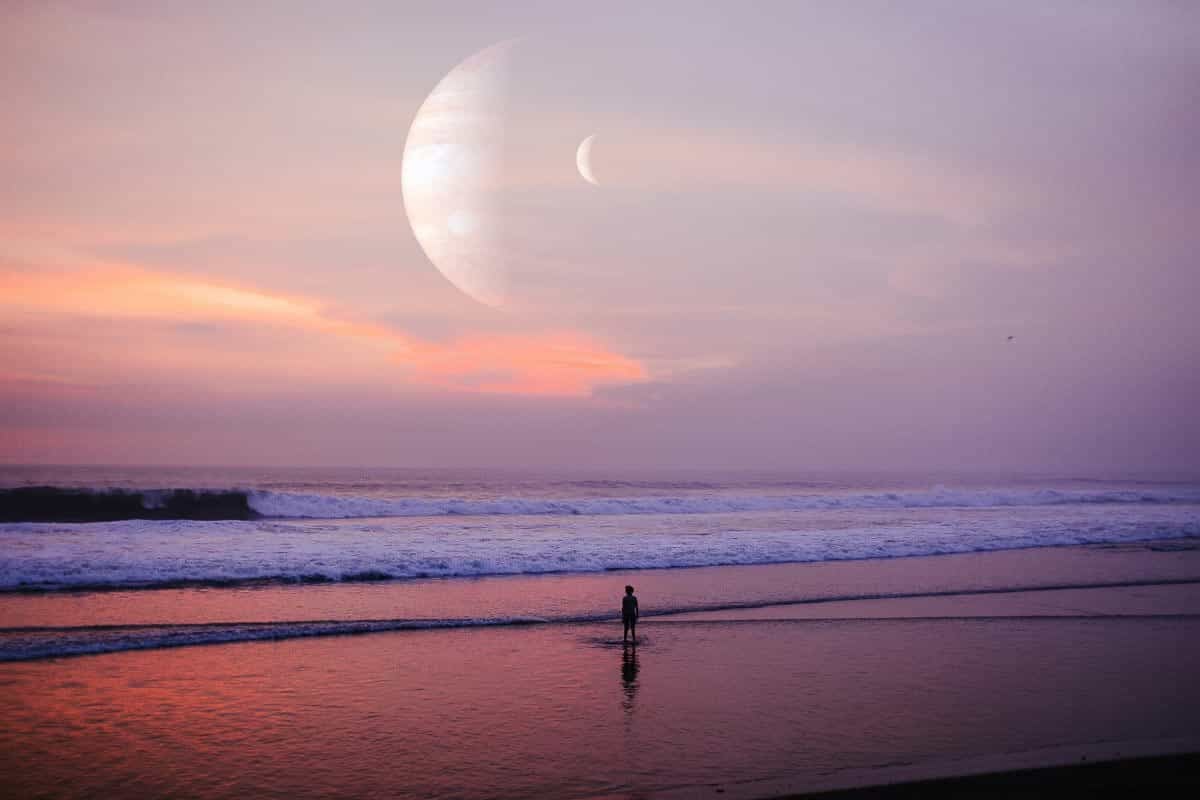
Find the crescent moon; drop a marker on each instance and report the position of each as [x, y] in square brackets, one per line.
[452, 169]
[583, 160]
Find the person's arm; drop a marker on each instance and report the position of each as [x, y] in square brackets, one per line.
[636, 611]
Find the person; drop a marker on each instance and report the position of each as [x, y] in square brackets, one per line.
[629, 614]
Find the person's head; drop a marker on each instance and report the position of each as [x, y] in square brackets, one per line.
[628, 590]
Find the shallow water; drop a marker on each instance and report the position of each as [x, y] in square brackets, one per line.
[566, 711]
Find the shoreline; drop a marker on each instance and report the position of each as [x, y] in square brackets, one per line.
[583, 593]
[1177, 599]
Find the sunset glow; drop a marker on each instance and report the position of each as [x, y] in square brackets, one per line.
[794, 254]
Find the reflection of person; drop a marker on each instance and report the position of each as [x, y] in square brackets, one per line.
[629, 676]
[629, 614]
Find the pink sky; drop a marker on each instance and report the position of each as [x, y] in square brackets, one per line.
[815, 231]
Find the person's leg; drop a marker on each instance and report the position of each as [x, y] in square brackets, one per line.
[625, 629]
[633, 629]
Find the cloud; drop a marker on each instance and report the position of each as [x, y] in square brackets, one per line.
[555, 363]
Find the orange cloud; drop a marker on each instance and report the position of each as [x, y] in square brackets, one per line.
[129, 292]
[552, 364]
[555, 364]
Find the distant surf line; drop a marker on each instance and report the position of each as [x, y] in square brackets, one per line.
[48, 504]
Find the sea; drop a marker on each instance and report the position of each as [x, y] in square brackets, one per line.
[135, 532]
[223, 633]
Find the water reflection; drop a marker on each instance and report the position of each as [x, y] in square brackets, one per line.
[629, 676]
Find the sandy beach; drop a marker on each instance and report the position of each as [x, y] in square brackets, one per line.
[939, 666]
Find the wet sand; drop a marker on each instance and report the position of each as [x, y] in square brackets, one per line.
[959, 675]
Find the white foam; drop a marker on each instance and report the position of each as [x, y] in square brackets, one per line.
[149, 552]
[286, 505]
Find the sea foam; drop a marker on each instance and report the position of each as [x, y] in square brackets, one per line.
[158, 553]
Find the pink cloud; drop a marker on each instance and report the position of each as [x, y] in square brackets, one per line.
[293, 334]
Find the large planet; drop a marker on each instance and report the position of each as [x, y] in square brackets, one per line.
[452, 173]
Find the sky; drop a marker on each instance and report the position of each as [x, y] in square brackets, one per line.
[816, 227]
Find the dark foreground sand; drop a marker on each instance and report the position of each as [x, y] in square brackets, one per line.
[764, 701]
[1159, 776]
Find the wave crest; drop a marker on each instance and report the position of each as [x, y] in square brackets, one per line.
[58, 504]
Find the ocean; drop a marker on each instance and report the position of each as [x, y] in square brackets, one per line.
[345, 544]
[224, 633]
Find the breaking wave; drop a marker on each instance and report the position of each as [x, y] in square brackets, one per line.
[39, 557]
[55, 504]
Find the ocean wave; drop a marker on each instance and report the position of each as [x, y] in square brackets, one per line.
[55, 504]
[38, 557]
[60, 504]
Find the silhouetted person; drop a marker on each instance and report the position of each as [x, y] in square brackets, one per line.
[629, 614]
